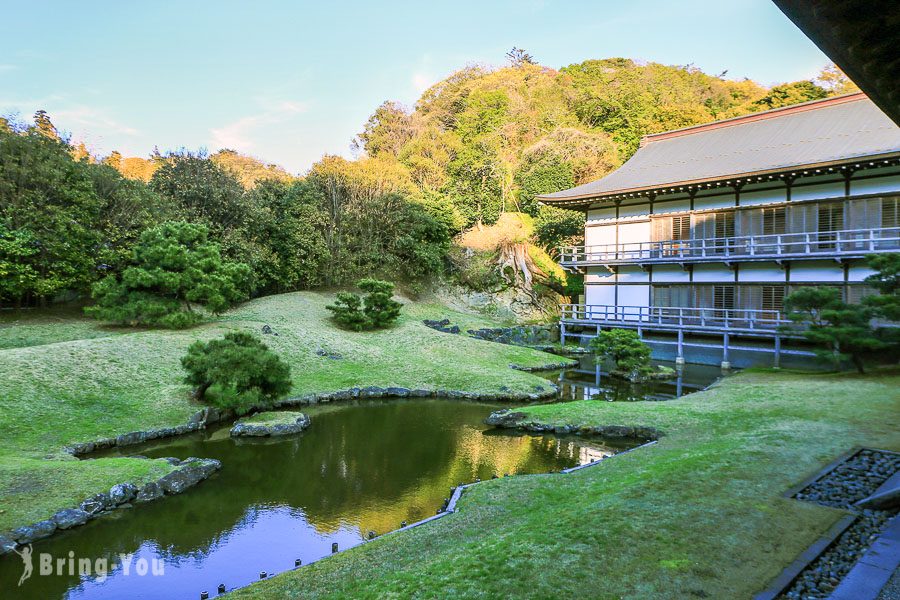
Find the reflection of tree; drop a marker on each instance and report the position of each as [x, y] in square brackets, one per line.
[365, 468]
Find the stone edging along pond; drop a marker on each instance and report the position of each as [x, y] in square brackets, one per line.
[192, 471]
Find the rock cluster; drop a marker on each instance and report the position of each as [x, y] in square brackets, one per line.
[508, 419]
[541, 392]
[851, 481]
[189, 472]
[198, 421]
[533, 335]
[264, 429]
[442, 325]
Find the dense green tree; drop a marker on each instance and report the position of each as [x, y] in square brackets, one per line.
[48, 199]
[555, 227]
[291, 224]
[174, 266]
[389, 128]
[248, 170]
[792, 93]
[825, 320]
[886, 280]
[237, 372]
[625, 348]
[17, 276]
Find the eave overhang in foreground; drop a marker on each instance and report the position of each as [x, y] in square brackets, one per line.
[736, 180]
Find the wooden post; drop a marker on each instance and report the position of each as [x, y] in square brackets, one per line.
[777, 362]
[562, 333]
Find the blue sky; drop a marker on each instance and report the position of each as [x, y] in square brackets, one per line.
[288, 81]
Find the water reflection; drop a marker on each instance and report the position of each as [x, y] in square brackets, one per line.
[588, 381]
[359, 468]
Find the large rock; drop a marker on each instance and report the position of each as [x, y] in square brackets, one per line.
[6, 544]
[150, 491]
[275, 428]
[191, 472]
[122, 493]
[70, 517]
[127, 439]
[96, 504]
[504, 418]
[36, 531]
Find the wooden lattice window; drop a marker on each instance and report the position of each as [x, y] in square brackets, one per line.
[772, 298]
[774, 220]
[890, 212]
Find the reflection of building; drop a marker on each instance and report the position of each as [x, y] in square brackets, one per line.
[705, 230]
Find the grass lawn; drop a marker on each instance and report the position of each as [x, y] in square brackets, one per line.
[68, 379]
[698, 515]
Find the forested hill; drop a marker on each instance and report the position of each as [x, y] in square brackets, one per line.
[488, 140]
[477, 144]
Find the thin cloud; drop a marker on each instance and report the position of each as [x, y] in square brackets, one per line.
[240, 134]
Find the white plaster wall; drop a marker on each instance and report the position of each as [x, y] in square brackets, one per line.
[858, 272]
[750, 196]
[670, 274]
[634, 207]
[723, 200]
[634, 232]
[600, 294]
[628, 274]
[762, 272]
[817, 271]
[599, 275]
[670, 206]
[598, 215]
[634, 295]
[831, 189]
[713, 273]
[600, 234]
[876, 185]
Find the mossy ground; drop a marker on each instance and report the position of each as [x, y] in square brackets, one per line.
[68, 379]
[700, 514]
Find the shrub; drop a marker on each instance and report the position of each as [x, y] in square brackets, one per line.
[236, 372]
[376, 311]
[625, 348]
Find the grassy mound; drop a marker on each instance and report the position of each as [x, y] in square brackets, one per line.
[67, 379]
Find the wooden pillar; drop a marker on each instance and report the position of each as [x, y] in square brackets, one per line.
[562, 333]
[777, 362]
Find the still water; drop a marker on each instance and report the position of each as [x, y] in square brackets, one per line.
[360, 467]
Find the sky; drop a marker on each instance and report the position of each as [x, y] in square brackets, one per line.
[288, 81]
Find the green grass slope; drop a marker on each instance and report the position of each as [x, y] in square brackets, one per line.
[71, 380]
[698, 515]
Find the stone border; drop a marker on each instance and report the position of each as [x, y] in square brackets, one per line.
[508, 419]
[790, 573]
[873, 570]
[189, 473]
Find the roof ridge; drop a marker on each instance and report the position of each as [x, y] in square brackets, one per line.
[758, 116]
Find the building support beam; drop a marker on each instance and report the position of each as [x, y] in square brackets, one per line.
[726, 365]
[679, 355]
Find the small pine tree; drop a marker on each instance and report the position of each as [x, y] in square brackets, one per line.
[236, 372]
[376, 311]
[825, 320]
[625, 348]
[348, 312]
[173, 266]
[380, 309]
